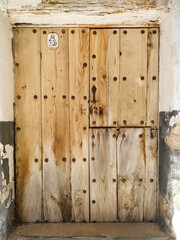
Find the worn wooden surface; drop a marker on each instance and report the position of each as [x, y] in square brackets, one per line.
[151, 170]
[133, 77]
[131, 174]
[103, 175]
[104, 76]
[52, 114]
[79, 124]
[27, 124]
[152, 74]
[55, 125]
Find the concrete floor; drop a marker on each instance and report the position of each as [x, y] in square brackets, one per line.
[89, 231]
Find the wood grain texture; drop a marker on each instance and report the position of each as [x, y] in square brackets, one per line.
[79, 95]
[133, 77]
[150, 191]
[55, 125]
[103, 175]
[104, 76]
[152, 72]
[28, 124]
[131, 174]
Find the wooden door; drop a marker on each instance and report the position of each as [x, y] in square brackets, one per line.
[86, 120]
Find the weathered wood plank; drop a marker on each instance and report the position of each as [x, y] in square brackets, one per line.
[133, 77]
[150, 194]
[103, 175]
[104, 77]
[55, 125]
[152, 71]
[28, 124]
[79, 95]
[131, 174]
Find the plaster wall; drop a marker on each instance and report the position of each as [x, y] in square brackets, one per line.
[6, 126]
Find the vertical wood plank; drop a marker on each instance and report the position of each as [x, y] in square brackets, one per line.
[55, 125]
[103, 174]
[131, 174]
[133, 77]
[79, 95]
[27, 124]
[152, 71]
[104, 76]
[150, 196]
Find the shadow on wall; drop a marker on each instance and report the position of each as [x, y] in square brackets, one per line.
[6, 177]
[169, 171]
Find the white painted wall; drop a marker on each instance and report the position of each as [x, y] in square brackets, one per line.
[6, 70]
[169, 89]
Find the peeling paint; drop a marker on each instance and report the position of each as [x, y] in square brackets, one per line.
[173, 134]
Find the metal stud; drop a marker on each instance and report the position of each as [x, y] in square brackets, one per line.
[154, 78]
[93, 122]
[17, 64]
[94, 32]
[84, 128]
[115, 78]
[93, 56]
[34, 30]
[44, 32]
[141, 122]
[124, 121]
[142, 77]
[84, 97]
[140, 179]
[124, 78]
[84, 159]
[125, 31]
[84, 191]
[72, 97]
[18, 96]
[45, 96]
[64, 159]
[64, 96]
[72, 31]
[18, 128]
[140, 135]
[114, 123]
[152, 121]
[134, 100]
[114, 32]
[142, 31]
[36, 160]
[94, 78]
[151, 180]
[123, 180]
[83, 31]
[35, 96]
[73, 159]
[104, 76]
[93, 201]
[84, 64]
[114, 180]
[46, 160]
[114, 135]
[63, 31]
[93, 158]
[94, 180]
[154, 31]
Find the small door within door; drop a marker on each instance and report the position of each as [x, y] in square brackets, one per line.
[121, 77]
